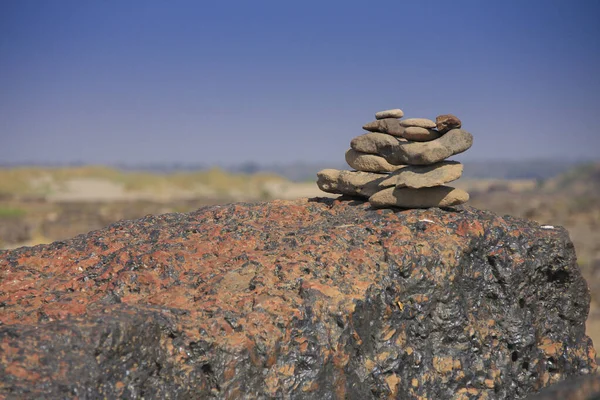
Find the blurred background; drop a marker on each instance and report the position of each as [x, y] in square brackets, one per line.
[117, 109]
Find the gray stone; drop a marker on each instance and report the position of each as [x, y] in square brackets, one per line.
[447, 122]
[369, 162]
[438, 196]
[418, 134]
[352, 183]
[417, 177]
[420, 122]
[398, 151]
[395, 113]
[425, 153]
[389, 125]
[377, 143]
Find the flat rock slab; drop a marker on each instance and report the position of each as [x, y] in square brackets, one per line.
[351, 183]
[369, 162]
[425, 176]
[419, 122]
[366, 184]
[394, 113]
[438, 196]
[418, 134]
[389, 125]
[316, 299]
[398, 152]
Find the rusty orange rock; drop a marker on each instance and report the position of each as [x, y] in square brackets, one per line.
[301, 299]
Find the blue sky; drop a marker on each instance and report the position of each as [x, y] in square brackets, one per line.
[275, 81]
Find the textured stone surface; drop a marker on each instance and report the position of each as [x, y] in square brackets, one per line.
[394, 113]
[389, 125]
[420, 122]
[369, 162]
[376, 143]
[425, 153]
[439, 196]
[307, 300]
[399, 152]
[425, 176]
[446, 122]
[418, 134]
[352, 183]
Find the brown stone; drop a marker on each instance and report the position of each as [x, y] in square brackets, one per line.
[419, 122]
[369, 162]
[351, 183]
[376, 143]
[418, 134]
[416, 177]
[389, 125]
[438, 196]
[394, 113]
[401, 152]
[446, 122]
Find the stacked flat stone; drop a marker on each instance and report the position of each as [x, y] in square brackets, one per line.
[403, 162]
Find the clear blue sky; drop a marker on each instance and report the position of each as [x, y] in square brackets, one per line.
[275, 81]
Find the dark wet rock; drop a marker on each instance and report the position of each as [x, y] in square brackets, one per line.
[309, 300]
[578, 388]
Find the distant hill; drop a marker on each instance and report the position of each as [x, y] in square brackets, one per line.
[306, 171]
[582, 180]
[525, 169]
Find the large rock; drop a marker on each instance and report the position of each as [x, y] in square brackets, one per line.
[352, 183]
[425, 176]
[399, 152]
[369, 162]
[438, 196]
[307, 300]
[389, 125]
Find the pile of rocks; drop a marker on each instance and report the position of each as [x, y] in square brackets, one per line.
[402, 162]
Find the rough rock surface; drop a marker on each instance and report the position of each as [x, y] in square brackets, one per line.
[308, 300]
[369, 162]
[446, 122]
[394, 113]
[352, 183]
[389, 125]
[376, 143]
[438, 196]
[398, 152]
[425, 176]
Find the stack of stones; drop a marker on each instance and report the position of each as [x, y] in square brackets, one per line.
[402, 162]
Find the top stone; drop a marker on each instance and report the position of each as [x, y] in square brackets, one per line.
[447, 122]
[395, 113]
